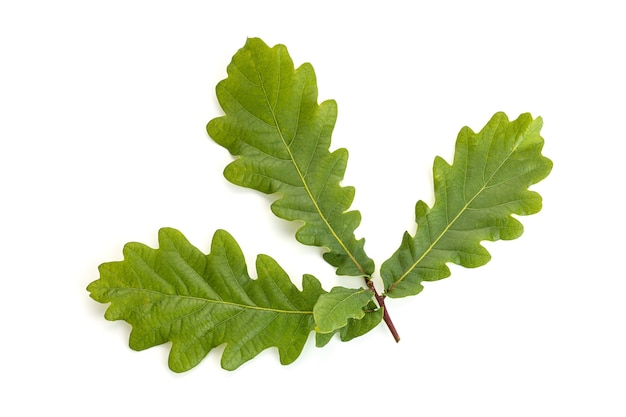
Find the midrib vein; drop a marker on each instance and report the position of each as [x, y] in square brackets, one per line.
[221, 302]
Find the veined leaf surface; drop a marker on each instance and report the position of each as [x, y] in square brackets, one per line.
[282, 136]
[354, 327]
[333, 310]
[474, 200]
[176, 293]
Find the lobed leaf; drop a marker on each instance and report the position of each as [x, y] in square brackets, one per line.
[354, 327]
[475, 199]
[333, 310]
[282, 136]
[176, 293]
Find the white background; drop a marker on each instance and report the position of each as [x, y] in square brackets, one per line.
[103, 107]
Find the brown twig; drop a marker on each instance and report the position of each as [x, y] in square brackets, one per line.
[381, 302]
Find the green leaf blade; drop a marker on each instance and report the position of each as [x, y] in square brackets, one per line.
[475, 199]
[281, 137]
[354, 327]
[175, 293]
[333, 310]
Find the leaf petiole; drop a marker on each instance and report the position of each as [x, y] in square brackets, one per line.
[381, 303]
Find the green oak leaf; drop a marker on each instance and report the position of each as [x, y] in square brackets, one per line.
[333, 309]
[475, 199]
[281, 137]
[354, 328]
[176, 293]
